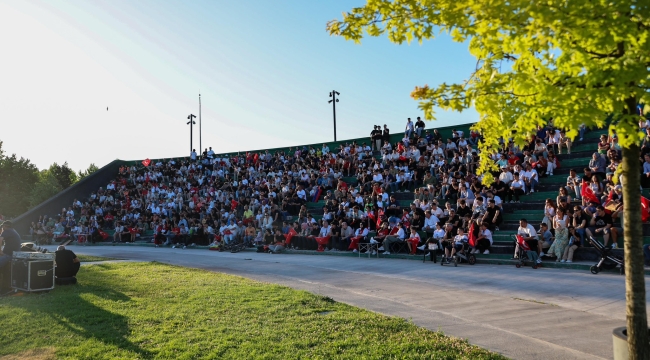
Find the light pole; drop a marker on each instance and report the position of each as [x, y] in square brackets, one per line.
[200, 134]
[191, 123]
[334, 101]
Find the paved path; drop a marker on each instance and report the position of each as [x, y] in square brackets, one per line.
[521, 313]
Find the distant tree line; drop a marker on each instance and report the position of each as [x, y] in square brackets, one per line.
[23, 186]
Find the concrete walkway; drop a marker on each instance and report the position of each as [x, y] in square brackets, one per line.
[521, 313]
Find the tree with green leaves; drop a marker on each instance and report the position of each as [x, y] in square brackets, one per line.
[17, 177]
[63, 174]
[91, 169]
[577, 62]
[47, 186]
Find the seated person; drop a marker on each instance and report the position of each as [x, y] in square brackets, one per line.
[547, 236]
[602, 223]
[67, 263]
[460, 241]
[527, 231]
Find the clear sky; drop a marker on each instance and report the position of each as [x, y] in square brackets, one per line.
[264, 69]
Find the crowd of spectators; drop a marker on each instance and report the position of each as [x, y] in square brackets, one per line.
[262, 198]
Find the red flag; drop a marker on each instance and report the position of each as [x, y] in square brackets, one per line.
[471, 236]
[146, 162]
[645, 206]
[102, 234]
[380, 213]
[233, 205]
[587, 193]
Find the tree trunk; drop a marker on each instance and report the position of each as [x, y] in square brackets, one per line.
[637, 321]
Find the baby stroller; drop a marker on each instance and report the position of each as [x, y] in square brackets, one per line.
[460, 256]
[525, 253]
[607, 260]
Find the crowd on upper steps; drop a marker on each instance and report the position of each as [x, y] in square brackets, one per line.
[268, 198]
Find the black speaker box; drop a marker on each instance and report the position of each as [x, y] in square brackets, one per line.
[32, 275]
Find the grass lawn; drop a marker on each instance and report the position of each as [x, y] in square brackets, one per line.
[152, 310]
[90, 258]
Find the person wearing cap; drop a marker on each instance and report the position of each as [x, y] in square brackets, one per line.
[11, 240]
[506, 176]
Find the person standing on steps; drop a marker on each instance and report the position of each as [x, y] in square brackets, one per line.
[408, 130]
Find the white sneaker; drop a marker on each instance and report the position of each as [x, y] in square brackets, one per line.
[580, 139]
[562, 260]
[473, 251]
[174, 247]
[486, 252]
[184, 247]
[355, 251]
[539, 261]
[532, 191]
[427, 254]
[541, 254]
[386, 253]
[569, 261]
[381, 248]
[421, 247]
[373, 252]
[373, 241]
[550, 174]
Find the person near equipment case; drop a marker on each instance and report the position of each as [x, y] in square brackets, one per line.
[67, 263]
[11, 241]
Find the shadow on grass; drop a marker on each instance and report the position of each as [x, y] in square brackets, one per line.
[87, 320]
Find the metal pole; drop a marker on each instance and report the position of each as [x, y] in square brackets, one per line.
[191, 146]
[200, 143]
[334, 109]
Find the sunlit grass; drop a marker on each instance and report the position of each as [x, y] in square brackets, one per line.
[152, 310]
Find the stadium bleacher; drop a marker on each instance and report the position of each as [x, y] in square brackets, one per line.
[531, 206]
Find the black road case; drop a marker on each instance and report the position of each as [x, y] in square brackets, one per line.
[32, 275]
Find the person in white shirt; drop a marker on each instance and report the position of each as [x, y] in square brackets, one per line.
[399, 236]
[377, 177]
[484, 240]
[497, 200]
[413, 241]
[436, 211]
[430, 222]
[408, 130]
[530, 178]
[528, 232]
[302, 195]
[324, 230]
[460, 241]
[506, 176]
[517, 187]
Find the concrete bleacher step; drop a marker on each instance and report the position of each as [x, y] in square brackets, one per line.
[578, 163]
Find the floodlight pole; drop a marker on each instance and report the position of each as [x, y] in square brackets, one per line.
[200, 133]
[191, 123]
[334, 101]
